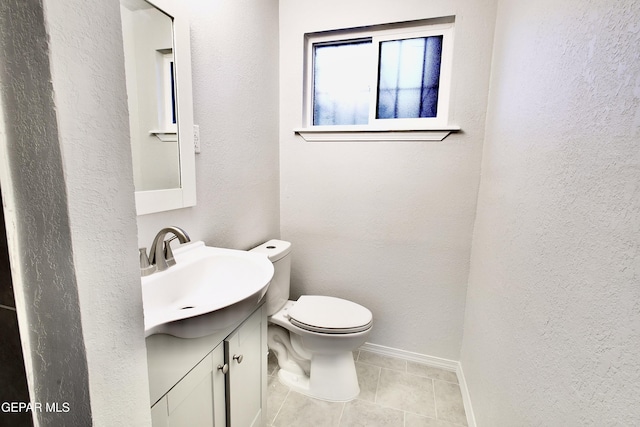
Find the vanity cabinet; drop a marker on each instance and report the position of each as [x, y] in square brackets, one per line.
[246, 353]
[198, 399]
[219, 380]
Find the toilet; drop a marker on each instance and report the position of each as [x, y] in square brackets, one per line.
[313, 338]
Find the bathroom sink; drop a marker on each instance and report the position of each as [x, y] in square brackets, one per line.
[207, 290]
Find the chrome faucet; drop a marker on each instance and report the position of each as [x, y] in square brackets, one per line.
[161, 255]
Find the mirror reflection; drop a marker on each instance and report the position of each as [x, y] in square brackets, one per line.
[151, 91]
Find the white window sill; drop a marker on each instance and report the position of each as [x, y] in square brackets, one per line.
[165, 135]
[367, 134]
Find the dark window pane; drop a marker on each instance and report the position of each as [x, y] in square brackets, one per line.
[173, 93]
[409, 77]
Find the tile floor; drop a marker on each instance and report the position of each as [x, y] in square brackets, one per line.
[393, 392]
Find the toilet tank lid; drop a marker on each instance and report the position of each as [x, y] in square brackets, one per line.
[274, 249]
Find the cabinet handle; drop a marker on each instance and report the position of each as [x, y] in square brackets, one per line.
[224, 368]
[238, 358]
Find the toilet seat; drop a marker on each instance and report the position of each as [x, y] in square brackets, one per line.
[329, 315]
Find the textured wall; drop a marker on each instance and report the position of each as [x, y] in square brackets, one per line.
[234, 48]
[13, 375]
[87, 73]
[38, 224]
[387, 224]
[552, 326]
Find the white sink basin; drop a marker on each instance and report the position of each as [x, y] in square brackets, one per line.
[207, 290]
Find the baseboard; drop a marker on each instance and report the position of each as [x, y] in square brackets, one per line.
[466, 397]
[436, 362]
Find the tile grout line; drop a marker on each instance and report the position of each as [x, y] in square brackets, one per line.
[341, 414]
[384, 367]
[435, 404]
[406, 369]
[281, 405]
[409, 373]
[435, 419]
[375, 395]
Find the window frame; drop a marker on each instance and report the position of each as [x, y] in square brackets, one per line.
[378, 35]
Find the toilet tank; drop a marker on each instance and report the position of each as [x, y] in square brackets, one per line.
[279, 253]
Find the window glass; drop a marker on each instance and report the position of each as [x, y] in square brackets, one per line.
[409, 76]
[340, 83]
[174, 120]
[395, 77]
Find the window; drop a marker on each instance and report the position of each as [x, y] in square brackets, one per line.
[167, 89]
[385, 78]
[166, 97]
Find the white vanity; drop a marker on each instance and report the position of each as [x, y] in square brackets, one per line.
[206, 336]
[216, 380]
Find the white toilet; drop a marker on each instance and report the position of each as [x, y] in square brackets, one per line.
[313, 337]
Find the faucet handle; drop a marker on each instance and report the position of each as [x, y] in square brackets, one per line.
[168, 252]
[145, 267]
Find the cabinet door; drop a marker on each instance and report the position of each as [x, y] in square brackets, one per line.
[198, 399]
[246, 381]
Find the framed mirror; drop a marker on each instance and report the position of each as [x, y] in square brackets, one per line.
[157, 55]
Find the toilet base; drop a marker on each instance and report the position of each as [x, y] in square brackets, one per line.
[332, 378]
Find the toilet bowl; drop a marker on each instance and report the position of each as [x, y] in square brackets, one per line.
[313, 338]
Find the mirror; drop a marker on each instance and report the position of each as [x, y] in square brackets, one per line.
[158, 77]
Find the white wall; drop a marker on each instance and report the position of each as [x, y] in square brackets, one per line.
[552, 326]
[387, 225]
[234, 53]
[37, 223]
[87, 75]
[68, 186]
